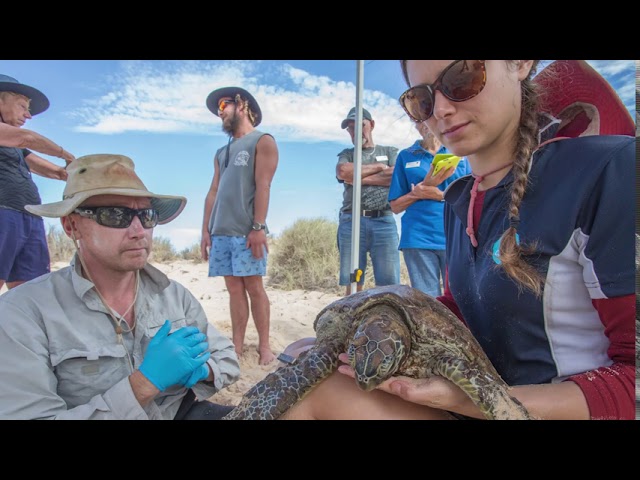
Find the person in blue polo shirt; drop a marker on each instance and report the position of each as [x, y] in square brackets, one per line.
[420, 195]
[539, 242]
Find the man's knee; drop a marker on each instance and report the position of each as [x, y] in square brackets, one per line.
[254, 286]
[235, 285]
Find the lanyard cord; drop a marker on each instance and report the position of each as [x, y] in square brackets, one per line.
[474, 192]
[117, 319]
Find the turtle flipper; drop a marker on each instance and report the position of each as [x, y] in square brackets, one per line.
[487, 391]
[280, 390]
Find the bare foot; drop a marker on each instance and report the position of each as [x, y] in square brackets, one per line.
[239, 353]
[266, 356]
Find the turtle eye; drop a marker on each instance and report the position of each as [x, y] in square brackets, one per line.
[351, 352]
[386, 363]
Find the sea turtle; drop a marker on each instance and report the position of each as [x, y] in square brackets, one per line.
[390, 330]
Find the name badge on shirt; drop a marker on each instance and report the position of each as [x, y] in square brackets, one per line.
[412, 164]
[381, 158]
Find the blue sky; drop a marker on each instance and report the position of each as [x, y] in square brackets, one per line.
[154, 112]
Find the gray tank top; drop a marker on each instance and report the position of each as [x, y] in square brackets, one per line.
[232, 212]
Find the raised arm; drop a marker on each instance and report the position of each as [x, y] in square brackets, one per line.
[22, 138]
[45, 168]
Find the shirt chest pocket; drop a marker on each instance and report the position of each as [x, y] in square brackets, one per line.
[415, 172]
[83, 373]
[153, 328]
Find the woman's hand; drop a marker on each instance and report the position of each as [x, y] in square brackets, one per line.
[436, 392]
[433, 181]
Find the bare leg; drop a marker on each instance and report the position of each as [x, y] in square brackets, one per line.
[11, 285]
[338, 398]
[261, 311]
[239, 309]
[2, 284]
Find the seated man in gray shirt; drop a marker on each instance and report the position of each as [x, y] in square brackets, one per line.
[110, 336]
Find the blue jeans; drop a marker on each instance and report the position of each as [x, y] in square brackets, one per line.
[379, 238]
[426, 269]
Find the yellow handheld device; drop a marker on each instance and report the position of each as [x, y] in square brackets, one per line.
[443, 161]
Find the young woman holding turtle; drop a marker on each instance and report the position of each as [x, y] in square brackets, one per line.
[540, 243]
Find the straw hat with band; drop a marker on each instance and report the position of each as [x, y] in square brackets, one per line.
[38, 100]
[573, 92]
[106, 174]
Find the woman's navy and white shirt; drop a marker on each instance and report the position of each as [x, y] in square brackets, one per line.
[578, 212]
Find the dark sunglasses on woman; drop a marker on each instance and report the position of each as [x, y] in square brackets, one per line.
[460, 81]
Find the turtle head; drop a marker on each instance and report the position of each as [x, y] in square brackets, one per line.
[379, 346]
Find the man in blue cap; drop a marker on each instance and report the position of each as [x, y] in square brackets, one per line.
[24, 254]
[234, 227]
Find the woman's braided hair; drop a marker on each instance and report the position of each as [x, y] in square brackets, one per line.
[512, 252]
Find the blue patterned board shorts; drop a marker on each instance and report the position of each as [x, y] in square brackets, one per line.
[230, 256]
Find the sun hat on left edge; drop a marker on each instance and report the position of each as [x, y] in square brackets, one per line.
[39, 101]
[106, 174]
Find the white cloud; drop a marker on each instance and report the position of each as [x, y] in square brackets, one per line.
[163, 97]
[169, 97]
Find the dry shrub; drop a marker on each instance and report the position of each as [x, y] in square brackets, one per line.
[305, 256]
[61, 248]
[162, 251]
[192, 253]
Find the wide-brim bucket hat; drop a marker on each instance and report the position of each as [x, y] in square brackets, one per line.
[215, 96]
[106, 174]
[585, 102]
[38, 100]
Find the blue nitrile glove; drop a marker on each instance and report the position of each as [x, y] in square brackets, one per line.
[200, 373]
[169, 358]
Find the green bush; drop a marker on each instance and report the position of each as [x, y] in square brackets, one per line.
[305, 256]
[61, 248]
[162, 251]
[192, 253]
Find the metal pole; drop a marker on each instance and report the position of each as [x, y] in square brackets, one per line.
[357, 176]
